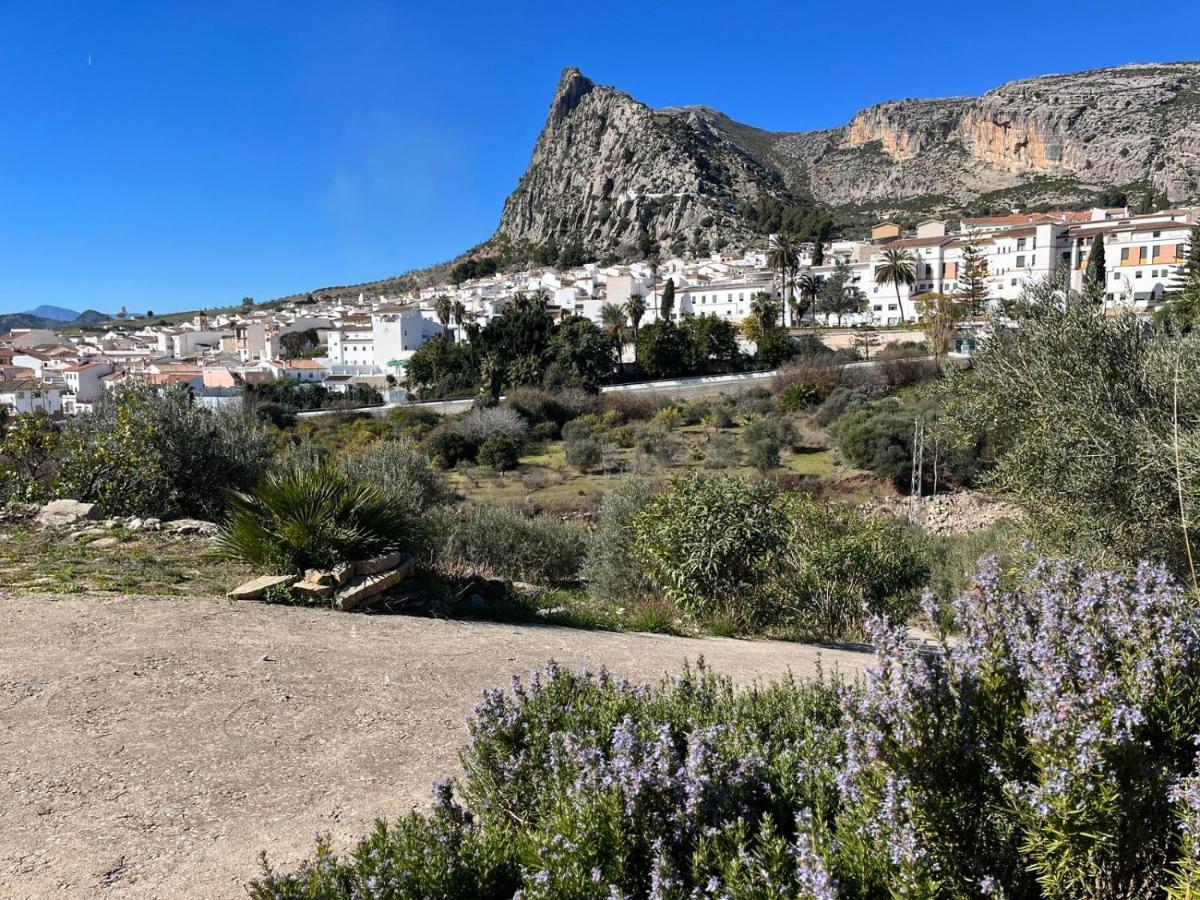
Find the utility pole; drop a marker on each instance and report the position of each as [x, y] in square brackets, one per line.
[918, 460]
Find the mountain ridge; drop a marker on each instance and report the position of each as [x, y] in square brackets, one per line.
[1060, 139]
[613, 178]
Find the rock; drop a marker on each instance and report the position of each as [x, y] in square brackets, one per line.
[190, 526]
[88, 534]
[313, 589]
[361, 588]
[104, 543]
[151, 524]
[342, 573]
[377, 565]
[134, 524]
[111, 523]
[63, 513]
[254, 590]
[318, 577]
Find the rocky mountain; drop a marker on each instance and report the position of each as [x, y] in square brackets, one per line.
[607, 169]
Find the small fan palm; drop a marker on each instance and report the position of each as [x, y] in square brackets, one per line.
[899, 267]
[309, 519]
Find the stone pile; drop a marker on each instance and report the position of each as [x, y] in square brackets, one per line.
[347, 586]
[947, 514]
[84, 523]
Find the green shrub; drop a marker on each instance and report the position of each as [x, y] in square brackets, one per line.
[449, 448]
[708, 542]
[584, 453]
[840, 563]
[502, 542]
[404, 475]
[316, 519]
[545, 431]
[720, 417]
[763, 456]
[1082, 418]
[146, 452]
[550, 408]
[611, 571]
[878, 437]
[582, 786]
[720, 452]
[656, 441]
[500, 451]
[840, 401]
[582, 427]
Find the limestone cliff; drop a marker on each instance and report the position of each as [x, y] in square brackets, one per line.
[607, 168]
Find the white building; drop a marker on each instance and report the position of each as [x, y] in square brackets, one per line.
[28, 395]
[398, 332]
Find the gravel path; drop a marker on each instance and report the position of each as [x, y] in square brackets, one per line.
[152, 747]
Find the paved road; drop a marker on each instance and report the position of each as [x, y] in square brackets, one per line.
[151, 747]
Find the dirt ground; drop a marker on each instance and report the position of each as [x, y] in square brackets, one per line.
[152, 747]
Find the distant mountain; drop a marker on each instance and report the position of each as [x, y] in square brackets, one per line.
[38, 318]
[90, 317]
[9, 321]
[57, 313]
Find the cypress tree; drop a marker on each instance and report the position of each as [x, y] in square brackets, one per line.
[818, 257]
[1095, 276]
[667, 302]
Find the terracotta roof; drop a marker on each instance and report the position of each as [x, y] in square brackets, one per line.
[302, 364]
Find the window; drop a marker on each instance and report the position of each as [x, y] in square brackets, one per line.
[1020, 262]
[1137, 274]
[1020, 243]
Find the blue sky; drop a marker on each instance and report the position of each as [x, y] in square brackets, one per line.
[180, 155]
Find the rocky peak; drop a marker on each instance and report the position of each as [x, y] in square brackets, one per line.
[572, 86]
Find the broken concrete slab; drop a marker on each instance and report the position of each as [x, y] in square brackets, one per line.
[376, 565]
[361, 588]
[254, 590]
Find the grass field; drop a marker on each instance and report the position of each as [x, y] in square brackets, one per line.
[143, 563]
[546, 481]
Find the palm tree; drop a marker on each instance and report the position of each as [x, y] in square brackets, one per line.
[460, 315]
[764, 310]
[808, 286]
[898, 268]
[783, 257]
[443, 306]
[613, 321]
